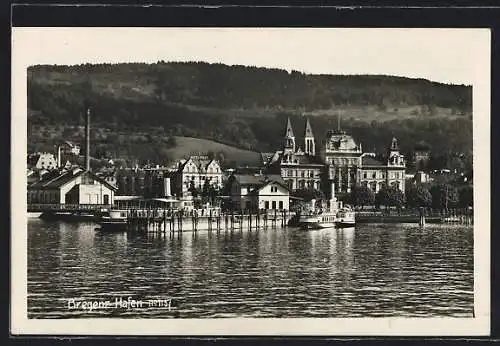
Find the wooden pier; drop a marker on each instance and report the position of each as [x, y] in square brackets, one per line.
[167, 221]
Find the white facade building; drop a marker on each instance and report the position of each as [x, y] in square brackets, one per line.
[257, 191]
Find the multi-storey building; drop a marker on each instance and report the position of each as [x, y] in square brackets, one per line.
[196, 171]
[299, 169]
[42, 161]
[342, 158]
[377, 174]
[339, 162]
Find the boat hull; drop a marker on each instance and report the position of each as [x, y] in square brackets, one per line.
[345, 224]
[341, 219]
[32, 215]
[317, 222]
[113, 226]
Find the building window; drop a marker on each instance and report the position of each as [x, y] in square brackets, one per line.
[281, 205]
[302, 174]
[364, 175]
[274, 189]
[273, 203]
[266, 204]
[106, 199]
[374, 175]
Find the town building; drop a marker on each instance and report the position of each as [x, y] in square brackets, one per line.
[76, 186]
[41, 161]
[70, 148]
[196, 171]
[254, 191]
[338, 161]
[378, 174]
[300, 169]
[342, 158]
[421, 156]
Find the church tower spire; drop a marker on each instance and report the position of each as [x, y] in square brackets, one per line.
[310, 145]
[289, 137]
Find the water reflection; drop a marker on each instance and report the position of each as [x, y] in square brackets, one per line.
[370, 270]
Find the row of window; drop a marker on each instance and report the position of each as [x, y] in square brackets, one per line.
[373, 185]
[193, 169]
[301, 184]
[273, 205]
[382, 175]
[344, 161]
[300, 173]
[202, 178]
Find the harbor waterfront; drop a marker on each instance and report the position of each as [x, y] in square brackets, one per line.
[371, 270]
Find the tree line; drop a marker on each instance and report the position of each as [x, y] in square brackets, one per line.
[438, 196]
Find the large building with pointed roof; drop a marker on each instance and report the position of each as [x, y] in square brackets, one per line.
[336, 161]
[377, 174]
[196, 171]
[300, 169]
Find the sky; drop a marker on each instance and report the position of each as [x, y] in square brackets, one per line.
[442, 55]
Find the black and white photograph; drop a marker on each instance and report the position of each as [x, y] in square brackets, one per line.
[251, 180]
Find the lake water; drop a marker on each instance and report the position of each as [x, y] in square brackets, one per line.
[370, 271]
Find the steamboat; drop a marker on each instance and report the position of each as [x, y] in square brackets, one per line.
[327, 214]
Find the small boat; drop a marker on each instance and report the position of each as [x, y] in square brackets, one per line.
[318, 221]
[345, 218]
[34, 214]
[328, 214]
[115, 221]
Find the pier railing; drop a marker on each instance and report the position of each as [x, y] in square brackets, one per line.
[47, 207]
[455, 215]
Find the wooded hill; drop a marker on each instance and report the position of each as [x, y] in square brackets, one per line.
[247, 107]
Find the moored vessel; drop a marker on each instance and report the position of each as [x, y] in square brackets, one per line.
[327, 214]
[115, 221]
[346, 217]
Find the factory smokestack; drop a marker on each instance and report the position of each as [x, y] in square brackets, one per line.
[87, 139]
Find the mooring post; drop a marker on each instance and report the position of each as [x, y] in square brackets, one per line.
[422, 217]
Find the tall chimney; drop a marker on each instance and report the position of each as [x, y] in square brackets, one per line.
[59, 156]
[87, 140]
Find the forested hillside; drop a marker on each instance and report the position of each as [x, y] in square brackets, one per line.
[243, 106]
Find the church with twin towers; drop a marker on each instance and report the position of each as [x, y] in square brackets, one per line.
[335, 162]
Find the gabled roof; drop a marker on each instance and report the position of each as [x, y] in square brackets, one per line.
[260, 187]
[55, 180]
[201, 164]
[258, 179]
[266, 157]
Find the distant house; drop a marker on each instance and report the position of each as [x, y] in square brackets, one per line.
[196, 170]
[253, 191]
[377, 174]
[421, 155]
[75, 186]
[41, 161]
[71, 148]
[109, 176]
[422, 177]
